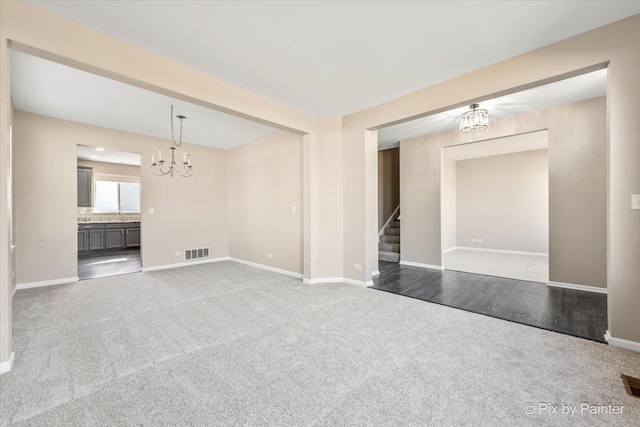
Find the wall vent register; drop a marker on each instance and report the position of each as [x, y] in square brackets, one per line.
[191, 254]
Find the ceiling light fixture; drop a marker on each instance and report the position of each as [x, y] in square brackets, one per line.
[160, 168]
[474, 120]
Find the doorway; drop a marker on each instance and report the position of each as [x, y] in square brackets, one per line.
[109, 213]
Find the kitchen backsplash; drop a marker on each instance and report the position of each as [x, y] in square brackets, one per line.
[87, 215]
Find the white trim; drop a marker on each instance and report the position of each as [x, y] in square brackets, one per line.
[381, 232]
[6, 366]
[358, 282]
[47, 283]
[13, 293]
[337, 280]
[323, 280]
[375, 273]
[577, 287]
[450, 249]
[500, 251]
[619, 342]
[266, 267]
[183, 264]
[417, 264]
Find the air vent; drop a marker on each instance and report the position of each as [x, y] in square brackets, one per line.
[193, 254]
[631, 384]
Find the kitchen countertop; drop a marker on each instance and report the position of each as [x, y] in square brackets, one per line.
[108, 222]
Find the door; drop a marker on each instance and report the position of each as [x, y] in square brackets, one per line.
[114, 238]
[82, 241]
[132, 237]
[96, 239]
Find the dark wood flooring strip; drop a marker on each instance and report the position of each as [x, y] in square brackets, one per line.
[568, 311]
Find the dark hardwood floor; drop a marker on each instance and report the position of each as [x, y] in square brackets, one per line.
[109, 264]
[578, 313]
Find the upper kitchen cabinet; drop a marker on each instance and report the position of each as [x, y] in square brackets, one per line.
[85, 186]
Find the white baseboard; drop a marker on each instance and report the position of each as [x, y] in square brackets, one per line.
[417, 264]
[183, 264]
[577, 287]
[619, 342]
[450, 249]
[267, 267]
[46, 283]
[323, 280]
[500, 251]
[375, 273]
[6, 366]
[337, 280]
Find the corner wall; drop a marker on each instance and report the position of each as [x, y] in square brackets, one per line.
[265, 186]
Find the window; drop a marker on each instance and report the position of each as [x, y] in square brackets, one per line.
[113, 194]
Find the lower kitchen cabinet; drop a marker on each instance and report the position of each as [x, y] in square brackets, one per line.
[94, 237]
[132, 237]
[114, 238]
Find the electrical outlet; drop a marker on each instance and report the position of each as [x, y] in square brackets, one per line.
[178, 253]
[151, 211]
[479, 240]
[635, 201]
[358, 267]
[474, 240]
[270, 256]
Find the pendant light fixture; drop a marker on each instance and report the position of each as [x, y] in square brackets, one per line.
[162, 167]
[474, 120]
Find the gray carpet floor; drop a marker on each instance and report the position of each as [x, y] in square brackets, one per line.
[228, 344]
[532, 268]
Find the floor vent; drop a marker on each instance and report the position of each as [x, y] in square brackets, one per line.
[191, 254]
[632, 385]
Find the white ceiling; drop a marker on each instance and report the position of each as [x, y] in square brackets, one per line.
[495, 147]
[98, 154]
[580, 88]
[51, 89]
[334, 58]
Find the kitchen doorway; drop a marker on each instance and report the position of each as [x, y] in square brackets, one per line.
[109, 212]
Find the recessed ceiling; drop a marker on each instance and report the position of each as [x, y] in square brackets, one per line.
[51, 89]
[498, 146]
[97, 154]
[575, 89]
[334, 58]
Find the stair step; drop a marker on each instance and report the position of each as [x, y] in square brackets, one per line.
[387, 238]
[395, 224]
[388, 256]
[392, 230]
[389, 247]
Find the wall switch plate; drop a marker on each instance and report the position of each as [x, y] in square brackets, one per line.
[151, 211]
[479, 240]
[178, 253]
[270, 256]
[293, 209]
[358, 267]
[635, 201]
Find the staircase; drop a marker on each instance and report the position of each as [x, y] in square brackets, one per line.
[389, 244]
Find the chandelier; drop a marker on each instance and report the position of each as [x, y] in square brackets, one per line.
[474, 120]
[162, 167]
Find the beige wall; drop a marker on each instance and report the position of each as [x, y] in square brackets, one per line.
[388, 184]
[265, 185]
[46, 232]
[577, 189]
[504, 200]
[448, 204]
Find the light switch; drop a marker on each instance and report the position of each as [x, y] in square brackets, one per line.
[293, 209]
[635, 201]
[150, 211]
